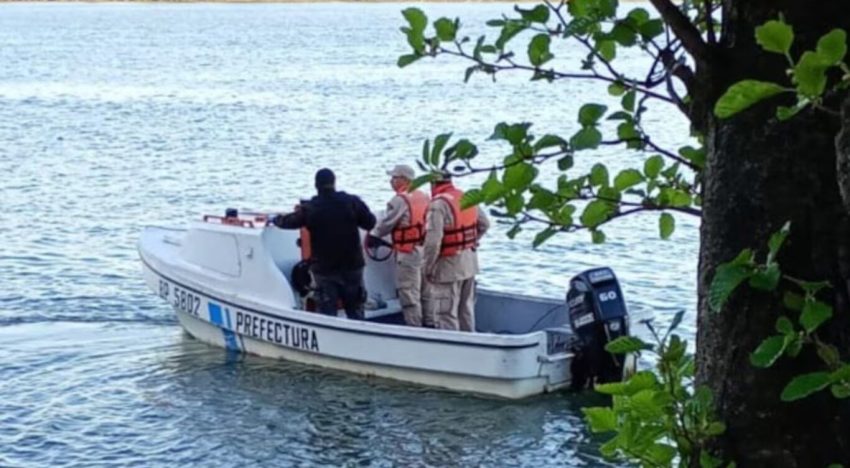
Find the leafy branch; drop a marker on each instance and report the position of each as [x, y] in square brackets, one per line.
[575, 202]
[792, 335]
[657, 416]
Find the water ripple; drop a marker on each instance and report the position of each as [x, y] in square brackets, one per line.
[117, 116]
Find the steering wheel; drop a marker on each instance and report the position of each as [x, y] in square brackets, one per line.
[374, 251]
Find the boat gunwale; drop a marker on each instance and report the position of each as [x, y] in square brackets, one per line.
[536, 336]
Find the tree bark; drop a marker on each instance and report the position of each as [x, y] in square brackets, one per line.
[761, 173]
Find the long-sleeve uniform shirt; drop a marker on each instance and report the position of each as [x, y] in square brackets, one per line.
[398, 214]
[458, 267]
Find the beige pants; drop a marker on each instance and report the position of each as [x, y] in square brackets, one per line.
[453, 304]
[411, 284]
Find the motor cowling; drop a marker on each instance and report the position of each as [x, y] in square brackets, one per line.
[598, 315]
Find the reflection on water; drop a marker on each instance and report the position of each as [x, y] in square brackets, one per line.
[117, 116]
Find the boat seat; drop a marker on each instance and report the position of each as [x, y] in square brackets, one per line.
[393, 307]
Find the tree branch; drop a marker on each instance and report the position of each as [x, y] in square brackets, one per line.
[683, 29]
[709, 21]
[554, 74]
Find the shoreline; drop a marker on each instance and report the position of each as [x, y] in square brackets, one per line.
[403, 2]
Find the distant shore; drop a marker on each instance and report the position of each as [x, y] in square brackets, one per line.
[278, 1]
[286, 1]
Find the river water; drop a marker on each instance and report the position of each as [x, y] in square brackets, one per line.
[117, 116]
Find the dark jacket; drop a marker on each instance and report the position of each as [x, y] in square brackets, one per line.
[333, 219]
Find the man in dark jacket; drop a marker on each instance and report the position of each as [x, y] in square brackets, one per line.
[333, 219]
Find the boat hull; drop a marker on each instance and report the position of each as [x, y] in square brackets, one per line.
[510, 367]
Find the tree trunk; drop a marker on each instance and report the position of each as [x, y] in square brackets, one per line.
[761, 173]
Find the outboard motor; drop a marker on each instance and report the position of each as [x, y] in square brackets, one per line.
[598, 315]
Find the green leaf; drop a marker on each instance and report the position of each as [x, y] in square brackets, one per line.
[426, 152]
[600, 419]
[509, 30]
[548, 141]
[422, 180]
[810, 75]
[616, 89]
[626, 344]
[519, 176]
[597, 236]
[541, 198]
[804, 385]
[775, 36]
[832, 46]
[628, 101]
[620, 115]
[708, 461]
[794, 346]
[776, 241]
[784, 325]
[589, 114]
[652, 166]
[694, 155]
[715, 429]
[661, 454]
[538, 14]
[623, 34]
[645, 406]
[666, 225]
[651, 29]
[586, 138]
[406, 60]
[543, 236]
[744, 94]
[514, 203]
[595, 213]
[638, 16]
[785, 112]
[627, 132]
[564, 216]
[439, 143]
[538, 50]
[607, 49]
[840, 391]
[492, 188]
[727, 277]
[677, 320]
[515, 229]
[599, 175]
[627, 178]
[767, 278]
[463, 149]
[814, 314]
[446, 29]
[416, 18]
[829, 355]
[768, 351]
[565, 163]
[471, 198]
[792, 301]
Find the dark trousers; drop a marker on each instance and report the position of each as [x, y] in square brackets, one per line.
[346, 286]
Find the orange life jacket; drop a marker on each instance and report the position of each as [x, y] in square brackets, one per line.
[463, 234]
[406, 238]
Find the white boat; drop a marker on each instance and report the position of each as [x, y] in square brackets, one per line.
[234, 282]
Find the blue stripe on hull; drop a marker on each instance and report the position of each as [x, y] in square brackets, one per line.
[222, 319]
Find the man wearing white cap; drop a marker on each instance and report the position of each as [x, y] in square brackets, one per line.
[405, 220]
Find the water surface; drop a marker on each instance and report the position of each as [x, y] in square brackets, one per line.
[117, 116]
